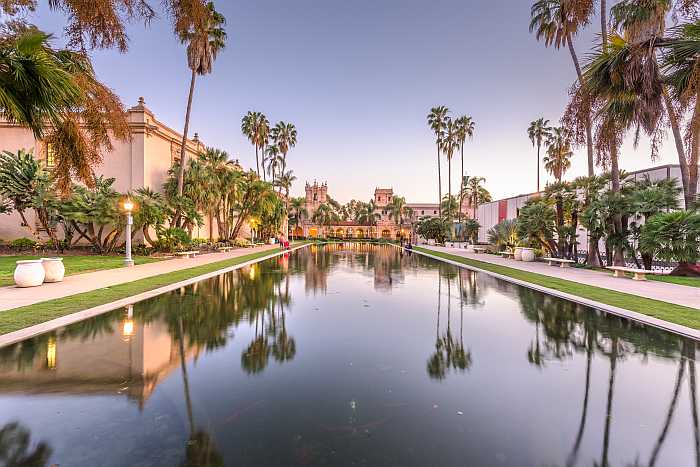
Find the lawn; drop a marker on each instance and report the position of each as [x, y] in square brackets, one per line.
[19, 318]
[689, 281]
[73, 264]
[677, 314]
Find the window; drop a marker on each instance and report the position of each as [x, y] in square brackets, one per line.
[434, 212]
[422, 212]
[50, 155]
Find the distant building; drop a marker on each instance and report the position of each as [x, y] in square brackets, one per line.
[384, 227]
[490, 214]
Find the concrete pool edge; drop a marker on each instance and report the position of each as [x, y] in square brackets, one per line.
[72, 318]
[617, 311]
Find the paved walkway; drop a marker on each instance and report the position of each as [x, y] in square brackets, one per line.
[663, 291]
[13, 297]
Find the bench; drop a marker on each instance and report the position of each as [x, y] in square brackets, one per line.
[187, 254]
[507, 254]
[225, 248]
[479, 249]
[563, 263]
[639, 274]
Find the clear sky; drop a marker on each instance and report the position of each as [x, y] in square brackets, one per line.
[358, 79]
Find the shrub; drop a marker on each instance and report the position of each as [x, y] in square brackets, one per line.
[23, 243]
[504, 235]
[172, 239]
[673, 236]
[241, 242]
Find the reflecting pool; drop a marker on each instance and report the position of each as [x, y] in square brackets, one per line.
[349, 355]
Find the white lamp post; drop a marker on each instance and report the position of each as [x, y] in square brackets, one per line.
[128, 207]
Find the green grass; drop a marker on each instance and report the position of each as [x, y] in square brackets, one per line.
[689, 281]
[19, 318]
[670, 312]
[73, 264]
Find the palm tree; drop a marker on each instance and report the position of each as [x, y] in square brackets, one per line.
[449, 145]
[275, 161]
[437, 119]
[205, 39]
[556, 26]
[297, 211]
[324, 216]
[539, 132]
[465, 130]
[284, 136]
[558, 158]
[256, 128]
[285, 181]
[476, 192]
[398, 210]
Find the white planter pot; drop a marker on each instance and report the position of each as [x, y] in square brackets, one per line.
[53, 269]
[29, 273]
[518, 254]
[527, 255]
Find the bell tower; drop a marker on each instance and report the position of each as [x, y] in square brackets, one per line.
[315, 196]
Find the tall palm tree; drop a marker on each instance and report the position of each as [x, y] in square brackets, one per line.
[449, 145]
[205, 39]
[398, 210]
[465, 130]
[275, 161]
[553, 23]
[437, 120]
[256, 128]
[539, 132]
[476, 192]
[558, 158]
[285, 181]
[284, 136]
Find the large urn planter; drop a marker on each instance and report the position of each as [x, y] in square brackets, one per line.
[527, 254]
[53, 269]
[29, 273]
[518, 254]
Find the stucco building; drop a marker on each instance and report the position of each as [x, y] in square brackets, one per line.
[142, 161]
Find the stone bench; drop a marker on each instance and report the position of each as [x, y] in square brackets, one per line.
[479, 249]
[638, 274]
[225, 248]
[187, 254]
[563, 263]
[507, 254]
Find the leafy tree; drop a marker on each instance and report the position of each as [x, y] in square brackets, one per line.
[435, 228]
[24, 185]
[475, 192]
[16, 448]
[536, 223]
[150, 213]
[471, 229]
[674, 236]
[94, 214]
[504, 235]
[205, 38]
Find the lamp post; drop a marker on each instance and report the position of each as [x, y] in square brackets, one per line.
[128, 207]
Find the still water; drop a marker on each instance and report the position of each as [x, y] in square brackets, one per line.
[351, 355]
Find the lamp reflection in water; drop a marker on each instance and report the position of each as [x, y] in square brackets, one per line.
[252, 272]
[51, 353]
[128, 326]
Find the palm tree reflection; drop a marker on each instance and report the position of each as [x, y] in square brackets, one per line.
[16, 448]
[450, 353]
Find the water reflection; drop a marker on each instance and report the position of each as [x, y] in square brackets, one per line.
[18, 450]
[352, 354]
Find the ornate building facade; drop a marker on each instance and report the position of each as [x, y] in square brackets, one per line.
[385, 225]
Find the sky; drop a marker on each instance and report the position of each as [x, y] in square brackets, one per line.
[358, 80]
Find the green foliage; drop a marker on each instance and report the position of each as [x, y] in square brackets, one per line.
[536, 224]
[470, 229]
[241, 243]
[433, 229]
[23, 243]
[504, 235]
[672, 236]
[172, 239]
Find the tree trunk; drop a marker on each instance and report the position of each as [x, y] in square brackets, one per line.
[608, 411]
[538, 167]
[439, 184]
[183, 149]
[449, 189]
[461, 182]
[589, 132]
[678, 139]
[694, 153]
[257, 163]
[593, 256]
[619, 255]
[604, 23]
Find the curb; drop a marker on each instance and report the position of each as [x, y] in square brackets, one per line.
[613, 310]
[47, 326]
